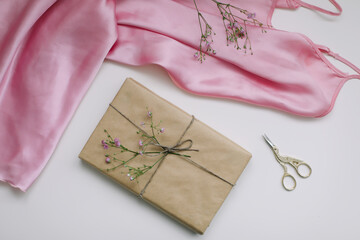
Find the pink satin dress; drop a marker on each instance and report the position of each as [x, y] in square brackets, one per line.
[51, 50]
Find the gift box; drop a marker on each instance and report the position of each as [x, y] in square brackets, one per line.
[195, 166]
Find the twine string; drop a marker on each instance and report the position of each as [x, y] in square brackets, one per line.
[180, 146]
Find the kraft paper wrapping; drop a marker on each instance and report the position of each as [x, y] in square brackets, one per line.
[179, 188]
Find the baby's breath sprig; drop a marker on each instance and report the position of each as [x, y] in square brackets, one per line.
[235, 21]
[145, 140]
[206, 37]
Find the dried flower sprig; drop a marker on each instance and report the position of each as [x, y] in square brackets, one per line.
[206, 37]
[144, 142]
[235, 22]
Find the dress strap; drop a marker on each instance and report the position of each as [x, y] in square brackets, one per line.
[310, 6]
[341, 59]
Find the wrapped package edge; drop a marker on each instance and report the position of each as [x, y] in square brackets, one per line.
[83, 157]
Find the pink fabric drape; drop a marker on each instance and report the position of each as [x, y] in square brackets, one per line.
[51, 50]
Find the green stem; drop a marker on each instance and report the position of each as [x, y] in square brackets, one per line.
[108, 135]
[124, 148]
[160, 159]
[123, 163]
[152, 131]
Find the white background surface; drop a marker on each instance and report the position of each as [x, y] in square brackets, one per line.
[71, 200]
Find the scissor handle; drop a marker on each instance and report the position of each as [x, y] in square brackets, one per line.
[296, 164]
[287, 175]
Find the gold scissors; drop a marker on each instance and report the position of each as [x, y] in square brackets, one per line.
[283, 160]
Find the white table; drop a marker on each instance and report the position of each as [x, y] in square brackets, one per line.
[71, 200]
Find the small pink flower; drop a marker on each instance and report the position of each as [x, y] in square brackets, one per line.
[131, 178]
[117, 142]
[229, 26]
[196, 55]
[141, 153]
[142, 124]
[241, 33]
[104, 144]
[162, 130]
[207, 45]
[107, 160]
[251, 15]
[141, 143]
[149, 114]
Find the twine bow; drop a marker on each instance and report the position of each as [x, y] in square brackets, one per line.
[174, 149]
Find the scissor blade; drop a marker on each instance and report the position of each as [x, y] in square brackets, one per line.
[268, 141]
